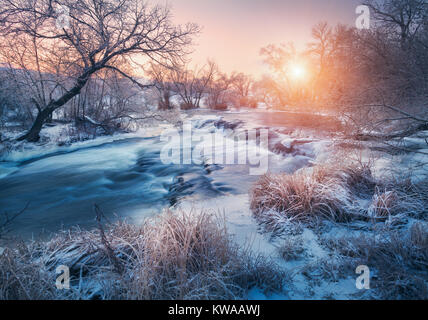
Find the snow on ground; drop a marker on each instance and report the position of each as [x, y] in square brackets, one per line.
[246, 232]
[25, 151]
[408, 158]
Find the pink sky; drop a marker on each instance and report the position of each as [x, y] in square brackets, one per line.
[233, 31]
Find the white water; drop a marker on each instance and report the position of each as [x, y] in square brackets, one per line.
[125, 176]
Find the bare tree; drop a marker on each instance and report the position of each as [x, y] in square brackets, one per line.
[191, 85]
[402, 17]
[242, 85]
[322, 46]
[264, 91]
[162, 76]
[219, 94]
[15, 106]
[97, 35]
[395, 64]
[116, 101]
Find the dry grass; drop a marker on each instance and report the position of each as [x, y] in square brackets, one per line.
[309, 194]
[176, 255]
[339, 193]
[24, 276]
[291, 248]
[358, 177]
[396, 204]
[384, 204]
[398, 259]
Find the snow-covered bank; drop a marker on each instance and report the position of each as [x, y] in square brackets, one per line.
[177, 255]
[24, 151]
[246, 232]
[320, 260]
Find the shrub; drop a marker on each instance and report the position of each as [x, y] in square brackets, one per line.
[291, 248]
[220, 107]
[247, 102]
[308, 194]
[187, 106]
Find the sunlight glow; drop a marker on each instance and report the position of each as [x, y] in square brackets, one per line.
[297, 71]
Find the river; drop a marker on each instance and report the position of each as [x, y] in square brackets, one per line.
[127, 178]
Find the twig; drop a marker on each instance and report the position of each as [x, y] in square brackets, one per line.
[8, 220]
[110, 252]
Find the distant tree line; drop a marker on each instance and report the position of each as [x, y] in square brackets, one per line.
[374, 78]
[186, 88]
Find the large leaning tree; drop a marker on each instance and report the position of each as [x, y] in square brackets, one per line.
[57, 46]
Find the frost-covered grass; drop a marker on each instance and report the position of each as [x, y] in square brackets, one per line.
[340, 193]
[177, 255]
[291, 248]
[24, 276]
[398, 262]
[357, 218]
[307, 195]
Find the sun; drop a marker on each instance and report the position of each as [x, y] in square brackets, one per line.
[297, 71]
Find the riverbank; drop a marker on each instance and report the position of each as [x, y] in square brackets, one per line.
[177, 255]
[213, 249]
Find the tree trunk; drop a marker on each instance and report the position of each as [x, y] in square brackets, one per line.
[33, 135]
[50, 118]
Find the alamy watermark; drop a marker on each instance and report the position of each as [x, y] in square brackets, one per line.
[63, 19]
[63, 280]
[195, 147]
[363, 19]
[363, 281]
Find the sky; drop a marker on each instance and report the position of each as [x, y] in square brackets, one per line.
[234, 31]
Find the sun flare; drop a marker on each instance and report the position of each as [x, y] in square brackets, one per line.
[297, 71]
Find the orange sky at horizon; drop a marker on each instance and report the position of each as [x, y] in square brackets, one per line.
[234, 31]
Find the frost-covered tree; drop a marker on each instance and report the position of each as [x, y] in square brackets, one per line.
[60, 45]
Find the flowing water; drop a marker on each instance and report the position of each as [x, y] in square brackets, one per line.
[127, 178]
